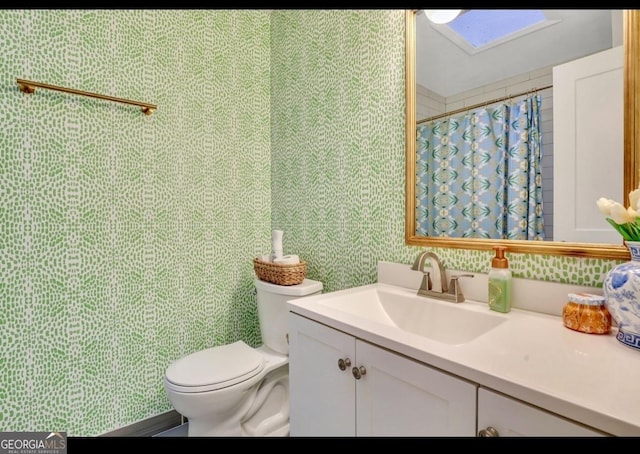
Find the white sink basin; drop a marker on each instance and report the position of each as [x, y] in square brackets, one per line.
[442, 321]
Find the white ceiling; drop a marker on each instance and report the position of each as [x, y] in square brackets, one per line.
[445, 68]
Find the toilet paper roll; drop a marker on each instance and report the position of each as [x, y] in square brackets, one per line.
[276, 243]
[265, 258]
[287, 260]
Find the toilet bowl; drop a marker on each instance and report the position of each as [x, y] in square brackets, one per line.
[237, 390]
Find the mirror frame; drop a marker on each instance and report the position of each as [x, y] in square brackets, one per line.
[631, 74]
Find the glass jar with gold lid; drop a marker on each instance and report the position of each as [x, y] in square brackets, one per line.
[587, 313]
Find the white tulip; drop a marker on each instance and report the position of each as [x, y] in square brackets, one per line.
[619, 214]
[605, 205]
[634, 198]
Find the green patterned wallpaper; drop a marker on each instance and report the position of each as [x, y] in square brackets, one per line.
[127, 239]
[338, 147]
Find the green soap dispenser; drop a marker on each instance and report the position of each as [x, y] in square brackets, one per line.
[500, 282]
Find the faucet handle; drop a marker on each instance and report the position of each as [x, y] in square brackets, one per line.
[426, 281]
[454, 287]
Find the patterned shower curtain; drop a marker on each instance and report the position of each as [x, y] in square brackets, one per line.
[479, 174]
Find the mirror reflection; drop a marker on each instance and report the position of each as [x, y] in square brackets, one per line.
[463, 100]
[519, 124]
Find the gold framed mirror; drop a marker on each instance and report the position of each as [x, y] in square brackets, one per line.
[631, 159]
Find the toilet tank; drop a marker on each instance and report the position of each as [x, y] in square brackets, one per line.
[272, 309]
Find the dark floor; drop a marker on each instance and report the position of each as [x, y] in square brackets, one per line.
[179, 431]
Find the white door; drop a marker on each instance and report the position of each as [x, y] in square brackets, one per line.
[588, 132]
[321, 394]
[398, 396]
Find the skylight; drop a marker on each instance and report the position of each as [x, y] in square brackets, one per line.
[479, 29]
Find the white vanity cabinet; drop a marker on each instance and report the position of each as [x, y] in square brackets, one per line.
[501, 416]
[436, 368]
[343, 386]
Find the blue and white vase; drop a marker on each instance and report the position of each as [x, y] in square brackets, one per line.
[621, 288]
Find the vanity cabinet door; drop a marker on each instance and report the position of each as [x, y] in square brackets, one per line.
[399, 396]
[379, 393]
[321, 393]
[501, 416]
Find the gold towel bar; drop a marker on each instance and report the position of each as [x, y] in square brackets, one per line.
[28, 86]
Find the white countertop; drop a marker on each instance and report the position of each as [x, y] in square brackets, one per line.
[589, 378]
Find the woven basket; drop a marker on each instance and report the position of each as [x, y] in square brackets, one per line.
[280, 274]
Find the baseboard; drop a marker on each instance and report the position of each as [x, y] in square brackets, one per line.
[148, 427]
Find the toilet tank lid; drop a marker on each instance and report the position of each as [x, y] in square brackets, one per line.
[306, 287]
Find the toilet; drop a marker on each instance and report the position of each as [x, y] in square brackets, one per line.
[234, 389]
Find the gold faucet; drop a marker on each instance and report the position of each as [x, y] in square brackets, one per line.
[451, 292]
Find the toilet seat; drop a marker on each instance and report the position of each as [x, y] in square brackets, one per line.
[214, 368]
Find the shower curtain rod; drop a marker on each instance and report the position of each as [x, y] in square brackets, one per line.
[482, 104]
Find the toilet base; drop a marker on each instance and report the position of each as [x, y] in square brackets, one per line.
[271, 415]
[262, 412]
